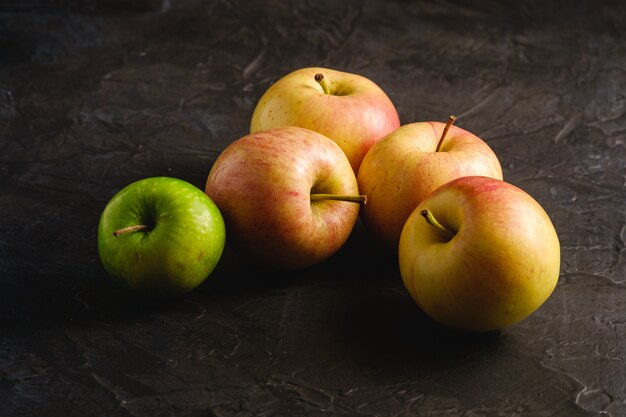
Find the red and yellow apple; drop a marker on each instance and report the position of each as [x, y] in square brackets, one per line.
[349, 109]
[411, 162]
[479, 254]
[287, 196]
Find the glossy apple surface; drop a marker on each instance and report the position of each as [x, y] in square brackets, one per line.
[178, 247]
[349, 109]
[404, 167]
[498, 263]
[263, 184]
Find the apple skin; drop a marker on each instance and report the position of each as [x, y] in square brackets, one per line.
[355, 115]
[179, 251]
[263, 183]
[403, 168]
[500, 266]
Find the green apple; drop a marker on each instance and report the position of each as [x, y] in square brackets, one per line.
[411, 162]
[287, 195]
[160, 236]
[349, 109]
[479, 254]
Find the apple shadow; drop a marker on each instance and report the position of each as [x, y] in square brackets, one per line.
[238, 274]
[103, 299]
[359, 256]
[234, 275]
[390, 331]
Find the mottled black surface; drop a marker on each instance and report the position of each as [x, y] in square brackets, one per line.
[97, 94]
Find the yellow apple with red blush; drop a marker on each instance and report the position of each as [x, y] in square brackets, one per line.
[348, 108]
[288, 196]
[410, 163]
[479, 254]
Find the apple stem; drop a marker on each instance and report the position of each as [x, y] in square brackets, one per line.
[451, 120]
[321, 80]
[430, 219]
[130, 229]
[361, 199]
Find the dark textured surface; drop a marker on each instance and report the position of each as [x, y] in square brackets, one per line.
[94, 95]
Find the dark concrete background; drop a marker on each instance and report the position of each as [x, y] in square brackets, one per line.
[95, 95]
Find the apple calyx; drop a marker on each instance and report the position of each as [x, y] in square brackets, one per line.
[321, 80]
[430, 219]
[451, 120]
[360, 199]
[128, 229]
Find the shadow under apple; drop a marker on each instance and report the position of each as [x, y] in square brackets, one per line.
[359, 258]
[389, 331]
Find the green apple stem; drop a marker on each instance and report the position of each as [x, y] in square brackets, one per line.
[361, 199]
[321, 80]
[451, 120]
[128, 229]
[430, 219]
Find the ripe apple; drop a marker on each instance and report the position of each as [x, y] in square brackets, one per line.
[348, 108]
[160, 236]
[479, 254]
[281, 193]
[411, 162]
